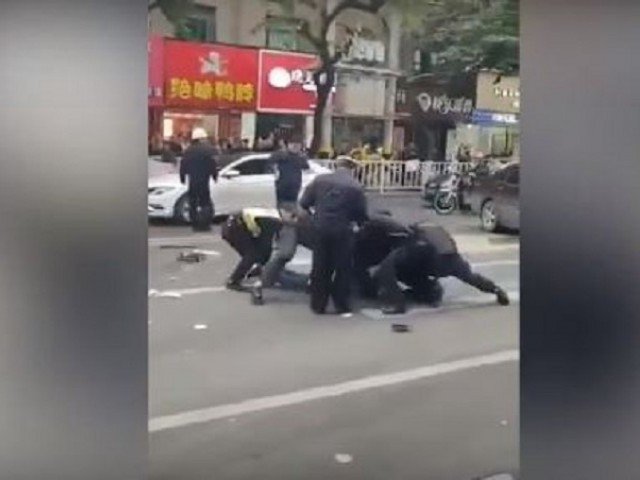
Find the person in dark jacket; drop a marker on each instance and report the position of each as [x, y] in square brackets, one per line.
[198, 163]
[337, 202]
[289, 164]
[431, 253]
[379, 236]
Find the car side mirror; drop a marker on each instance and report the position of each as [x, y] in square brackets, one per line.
[231, 174]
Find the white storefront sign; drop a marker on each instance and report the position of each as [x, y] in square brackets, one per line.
[444, 104]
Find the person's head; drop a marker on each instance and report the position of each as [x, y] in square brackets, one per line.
[199, 134]
[245, 143]
[345, 163]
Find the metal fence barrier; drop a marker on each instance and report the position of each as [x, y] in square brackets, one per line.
[395, 175]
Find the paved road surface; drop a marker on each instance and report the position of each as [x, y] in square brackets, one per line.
[273, 392]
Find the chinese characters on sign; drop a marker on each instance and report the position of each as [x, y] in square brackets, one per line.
[182, 88]
[443, 104]
[207, 76]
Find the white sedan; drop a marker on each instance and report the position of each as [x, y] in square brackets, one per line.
[246, 180]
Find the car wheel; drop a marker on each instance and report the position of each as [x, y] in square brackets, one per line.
[488, 216]
[181, 212]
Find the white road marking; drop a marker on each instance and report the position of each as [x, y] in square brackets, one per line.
[213, 253]
[194, 417]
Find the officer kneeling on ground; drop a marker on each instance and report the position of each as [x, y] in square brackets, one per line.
[429, 254]
[251, 232]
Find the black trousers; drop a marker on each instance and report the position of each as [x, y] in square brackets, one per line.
[331, 269]
[252, 250]
[200, 206]
[423, 285]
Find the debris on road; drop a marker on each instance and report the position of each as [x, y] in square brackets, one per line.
[400, 328]
[191, 257]
[504, 423]
[200, 326]
[343, 458]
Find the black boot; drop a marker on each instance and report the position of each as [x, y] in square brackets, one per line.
[256, 294]
[234, 285]
[502, 297]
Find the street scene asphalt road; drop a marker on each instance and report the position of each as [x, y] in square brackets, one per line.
[238, 391]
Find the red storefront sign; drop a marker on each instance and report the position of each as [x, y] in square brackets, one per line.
[286, 83]
[207, 76]
[156, 74]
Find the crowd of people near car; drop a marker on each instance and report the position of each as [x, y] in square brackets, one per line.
[386, 259]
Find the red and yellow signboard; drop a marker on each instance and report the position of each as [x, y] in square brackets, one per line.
[207, 76]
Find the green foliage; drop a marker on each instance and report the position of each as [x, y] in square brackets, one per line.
[174, 10]
[463, 34]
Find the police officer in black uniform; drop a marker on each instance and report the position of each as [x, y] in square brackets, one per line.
[198, 163]
[338, 203]
[378, 236]
[430, 254]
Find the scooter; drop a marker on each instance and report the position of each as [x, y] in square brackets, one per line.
[450, 194]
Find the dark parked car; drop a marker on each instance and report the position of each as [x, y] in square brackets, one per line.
[495, 198]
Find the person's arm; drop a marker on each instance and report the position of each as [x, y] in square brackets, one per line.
[214, 167]
[183, 170]
[360, 207]
[308, 198]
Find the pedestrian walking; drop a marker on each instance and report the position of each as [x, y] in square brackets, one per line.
[337, 203]
[429, 255]
[288, 163]
[199, 164]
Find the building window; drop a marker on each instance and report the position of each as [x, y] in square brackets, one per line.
[199, 26]
[281, 34]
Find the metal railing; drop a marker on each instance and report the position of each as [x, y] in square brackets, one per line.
[396, 175]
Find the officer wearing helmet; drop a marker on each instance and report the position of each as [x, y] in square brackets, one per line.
[198, 164]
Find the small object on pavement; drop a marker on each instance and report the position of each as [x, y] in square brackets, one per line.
[346, 314]
[343, 458]
[400, 328]
[504, 423]
[200, 326]
[191, 257]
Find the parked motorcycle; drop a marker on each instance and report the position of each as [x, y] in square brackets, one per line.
[450, 193]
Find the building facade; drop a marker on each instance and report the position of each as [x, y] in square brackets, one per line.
[361, 110]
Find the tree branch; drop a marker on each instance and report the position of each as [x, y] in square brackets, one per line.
[373, 7]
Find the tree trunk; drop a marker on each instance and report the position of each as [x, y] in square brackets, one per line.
[323, 91]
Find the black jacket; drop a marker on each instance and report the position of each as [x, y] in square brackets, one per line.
[378, 237]
[337, 199]
[289, 167]
[198, 163]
